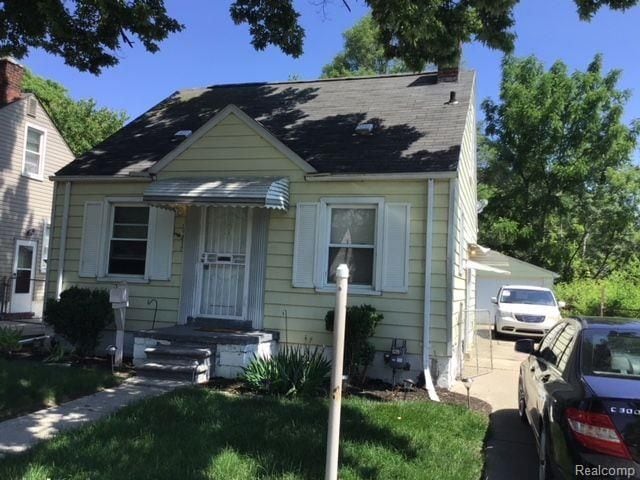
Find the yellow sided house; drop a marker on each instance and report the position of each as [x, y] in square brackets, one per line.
[227, 209]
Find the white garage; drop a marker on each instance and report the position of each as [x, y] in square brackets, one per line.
[502, 270]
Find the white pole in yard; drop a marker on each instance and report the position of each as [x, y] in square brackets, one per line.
[339, 318]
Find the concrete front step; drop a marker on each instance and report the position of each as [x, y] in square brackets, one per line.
[196, 374]
[177, 351]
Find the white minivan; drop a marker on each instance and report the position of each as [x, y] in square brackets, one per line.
[525, 310]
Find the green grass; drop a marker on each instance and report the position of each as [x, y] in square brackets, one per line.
[26, 386]
[202, 434]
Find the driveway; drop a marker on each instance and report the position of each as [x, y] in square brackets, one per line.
[510, 451]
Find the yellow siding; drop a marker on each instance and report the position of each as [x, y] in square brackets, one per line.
[465, 229]
[232, 148]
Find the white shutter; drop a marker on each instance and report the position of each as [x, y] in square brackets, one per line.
[304, 248]
[395, 247]
[161, 243]
[91, 239]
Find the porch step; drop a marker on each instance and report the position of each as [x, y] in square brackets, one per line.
[173, 371]
[184, 362]
[175, 351]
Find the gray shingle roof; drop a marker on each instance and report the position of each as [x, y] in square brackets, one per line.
[416, 131]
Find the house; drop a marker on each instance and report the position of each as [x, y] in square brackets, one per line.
[498, 269]
[226, 209]
[31, 149]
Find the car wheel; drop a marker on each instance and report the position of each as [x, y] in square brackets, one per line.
[496, 334]
[522, 405]
[544, 468]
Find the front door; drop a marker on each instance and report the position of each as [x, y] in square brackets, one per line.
[23, 275]
[224, 262]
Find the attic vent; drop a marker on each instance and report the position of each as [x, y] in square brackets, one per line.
[32, 107]
[364, 129]
[183, 133]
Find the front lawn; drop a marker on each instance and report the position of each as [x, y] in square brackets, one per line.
[202, 434]
[26, 386]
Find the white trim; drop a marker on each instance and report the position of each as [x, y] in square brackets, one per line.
[246, 119]
[42, 152]
[322, 247]
[354, 177]
[101, 178]
[63, 238]
[426, 326]
[247, 265]
[451, 260]
[34, 255]
[46, 235]
[386, 259]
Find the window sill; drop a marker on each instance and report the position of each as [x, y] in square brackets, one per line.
[351, 291]
[39, 178]
[115, 279]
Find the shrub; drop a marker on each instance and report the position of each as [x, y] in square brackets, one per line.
[361, 324]
[293, 372]
[80, 316]
[618, 295]
[9, 340]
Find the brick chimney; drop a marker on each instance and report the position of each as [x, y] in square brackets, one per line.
[447, 74]
[11, 73]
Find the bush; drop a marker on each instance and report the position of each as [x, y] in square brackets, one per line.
[80, 316]
[358, 351]
[9, 340]
[618, 294]
[293, 372]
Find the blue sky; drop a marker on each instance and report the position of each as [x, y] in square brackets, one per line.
[212, 50]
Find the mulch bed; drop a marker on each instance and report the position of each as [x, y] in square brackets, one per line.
[376, 390]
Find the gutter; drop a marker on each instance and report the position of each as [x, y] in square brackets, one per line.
[426, 325]
[100, 178]
[451, 259]
[63, 237]
[355, 177]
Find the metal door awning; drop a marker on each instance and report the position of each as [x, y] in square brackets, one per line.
[265, 192]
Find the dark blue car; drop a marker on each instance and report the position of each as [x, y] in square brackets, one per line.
[580, 392]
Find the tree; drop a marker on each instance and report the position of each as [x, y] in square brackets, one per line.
[557, 171]
[88, 34]
[363, 54]
[81, 123]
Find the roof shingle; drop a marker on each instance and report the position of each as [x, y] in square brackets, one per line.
[415, 129]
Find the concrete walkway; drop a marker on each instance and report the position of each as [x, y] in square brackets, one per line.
[19, 434]
[510, 450]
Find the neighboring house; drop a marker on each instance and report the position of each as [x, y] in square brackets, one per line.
[502, 270]
[31, 149]
[228, 208]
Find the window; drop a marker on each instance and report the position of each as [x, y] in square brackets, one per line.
[368, 234]
[352, 240]
[611, 352]
[564, 345]
[546, 346]
[128, 240]
[33, 152]
[46, 230]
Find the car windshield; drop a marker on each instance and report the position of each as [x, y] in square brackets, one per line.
[530, 297]
[611, 353]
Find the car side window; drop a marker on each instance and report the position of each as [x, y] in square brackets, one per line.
[564, 345]
[545, 350]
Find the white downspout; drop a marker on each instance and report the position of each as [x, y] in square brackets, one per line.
[63, 237]
[426, 329]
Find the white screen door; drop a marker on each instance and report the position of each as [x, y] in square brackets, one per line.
[23, 270]
[225, 263]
